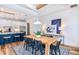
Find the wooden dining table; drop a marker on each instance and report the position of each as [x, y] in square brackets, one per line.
[45, 40]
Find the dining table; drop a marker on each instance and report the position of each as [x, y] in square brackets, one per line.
[45, 40]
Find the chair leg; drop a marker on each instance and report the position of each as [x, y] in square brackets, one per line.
[59, 52]
[51, 51]
[55, 52]
[32, 51]
[35, 51]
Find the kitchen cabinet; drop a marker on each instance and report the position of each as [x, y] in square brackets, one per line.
[16, 37]
[11, 37]
[22, 38]
[1, 40]
[7, 38]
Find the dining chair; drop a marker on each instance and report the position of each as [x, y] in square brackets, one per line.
[55, 49]
[38, 47]
[33, 46]
[29, 44]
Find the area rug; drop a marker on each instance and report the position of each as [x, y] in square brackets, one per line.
[20, 50]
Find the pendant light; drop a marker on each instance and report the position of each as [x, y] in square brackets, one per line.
[37, 18]
[37, 22]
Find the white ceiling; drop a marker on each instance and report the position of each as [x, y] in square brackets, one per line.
[54, 8]
[19, 11]
[23, 12]
[51, 8]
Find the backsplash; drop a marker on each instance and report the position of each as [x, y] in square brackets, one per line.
[12, 29]
[11, 26]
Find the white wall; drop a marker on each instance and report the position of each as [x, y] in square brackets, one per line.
[12, 23]
[70, 18]
[5, 22]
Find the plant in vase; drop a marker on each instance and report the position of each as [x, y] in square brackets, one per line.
[38, 34]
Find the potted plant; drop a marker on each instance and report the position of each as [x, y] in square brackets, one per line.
[38, 33]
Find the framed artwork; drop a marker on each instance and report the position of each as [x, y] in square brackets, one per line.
[52, 29]
[58, 23]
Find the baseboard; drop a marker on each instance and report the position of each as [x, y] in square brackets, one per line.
[71, 47]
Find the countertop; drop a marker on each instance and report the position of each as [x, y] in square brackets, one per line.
[10, 33]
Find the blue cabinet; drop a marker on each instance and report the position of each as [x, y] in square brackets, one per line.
[1, 40]
[22, 34]
[16, 37]
[9, 38]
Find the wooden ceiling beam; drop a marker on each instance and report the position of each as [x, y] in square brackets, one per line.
[38, 6]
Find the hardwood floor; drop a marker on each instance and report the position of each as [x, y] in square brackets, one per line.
[73, 50]
[6, 50]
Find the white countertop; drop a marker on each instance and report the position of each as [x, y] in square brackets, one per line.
[10, 32]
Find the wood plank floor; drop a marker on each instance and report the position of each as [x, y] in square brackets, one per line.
[73, 50]
[6, 50]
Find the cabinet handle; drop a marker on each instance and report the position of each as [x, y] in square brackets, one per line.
[7, 37]
[17, 36]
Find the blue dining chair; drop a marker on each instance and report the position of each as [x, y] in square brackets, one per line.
[29, 44]
[55, 49]
[38, 47]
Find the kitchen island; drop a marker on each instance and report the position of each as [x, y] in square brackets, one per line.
[10, 37]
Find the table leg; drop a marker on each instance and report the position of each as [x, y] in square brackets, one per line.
[47, 49]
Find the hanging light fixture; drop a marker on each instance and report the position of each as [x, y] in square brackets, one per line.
[37, 22]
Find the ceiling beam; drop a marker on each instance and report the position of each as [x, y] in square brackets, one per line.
[38, 6]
